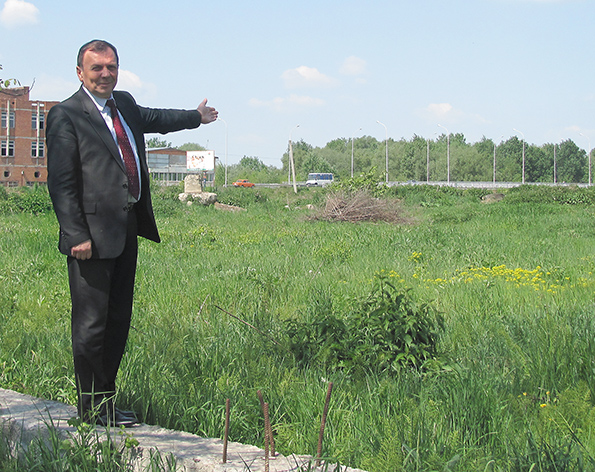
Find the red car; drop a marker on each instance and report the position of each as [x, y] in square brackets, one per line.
[242, 183]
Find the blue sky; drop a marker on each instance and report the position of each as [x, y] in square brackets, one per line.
[335, 68]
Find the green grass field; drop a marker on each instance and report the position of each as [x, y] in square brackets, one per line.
[510, 384]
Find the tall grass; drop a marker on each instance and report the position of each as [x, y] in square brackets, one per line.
[515, 385]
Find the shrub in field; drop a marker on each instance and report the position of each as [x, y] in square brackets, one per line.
[34, 200]
[546, 194]
[241, 197]
[394, 328]
[435, 196]
[387, 330]
[323, 341]
[365, 182]
[165, 198]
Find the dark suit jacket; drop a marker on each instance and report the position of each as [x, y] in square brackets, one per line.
[87, 178]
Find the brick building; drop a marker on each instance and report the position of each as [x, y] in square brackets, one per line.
[22, 138]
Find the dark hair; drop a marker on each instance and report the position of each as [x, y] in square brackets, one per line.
[97, 45]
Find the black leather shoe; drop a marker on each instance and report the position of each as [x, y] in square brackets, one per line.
[118, 419]
[128, 414]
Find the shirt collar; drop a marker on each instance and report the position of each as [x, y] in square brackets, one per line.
[100, 103]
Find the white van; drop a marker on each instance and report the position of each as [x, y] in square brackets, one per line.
[319, 179]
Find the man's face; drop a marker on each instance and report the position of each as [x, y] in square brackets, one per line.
[99, 72]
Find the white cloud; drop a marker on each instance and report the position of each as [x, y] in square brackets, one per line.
[446, 113]
[290, 103]
[587, 133]
[304, 76]
[48, 87]
[353, 66]
[18, 13]
[439, 110]
[573, 129]
[132, 83]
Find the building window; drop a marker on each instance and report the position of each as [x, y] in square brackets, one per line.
[37, 174]
[34, 148]
[4, 117]
[7, 150]
[34, 119]
[6, 174]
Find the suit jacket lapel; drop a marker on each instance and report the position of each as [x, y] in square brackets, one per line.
[92, 114]
[129, 112]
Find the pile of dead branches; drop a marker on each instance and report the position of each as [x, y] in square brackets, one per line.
[360, 206]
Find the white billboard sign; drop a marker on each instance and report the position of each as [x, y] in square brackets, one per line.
[200, 160]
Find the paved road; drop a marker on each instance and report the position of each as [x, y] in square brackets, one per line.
[486, 185]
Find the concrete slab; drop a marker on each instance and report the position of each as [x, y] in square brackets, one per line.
[24, 418]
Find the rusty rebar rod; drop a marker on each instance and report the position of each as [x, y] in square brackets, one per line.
[226, 434]
[266, 439]
[323, 423]
[267, 424]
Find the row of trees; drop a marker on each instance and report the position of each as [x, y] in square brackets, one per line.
[421, 159]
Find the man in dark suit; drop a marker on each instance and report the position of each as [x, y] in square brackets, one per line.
[99, 184]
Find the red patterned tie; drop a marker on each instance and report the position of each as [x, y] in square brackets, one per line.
[127, 153]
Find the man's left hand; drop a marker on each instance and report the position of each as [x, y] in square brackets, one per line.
[208, 114]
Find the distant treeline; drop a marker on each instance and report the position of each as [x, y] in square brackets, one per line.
[420, 158]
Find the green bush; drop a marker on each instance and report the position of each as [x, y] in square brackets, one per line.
[394, 328]
[242, 197]
[386, 331]
[545, 194]
[366, 181]
[34, 200]
[435, 196]
[165, 198]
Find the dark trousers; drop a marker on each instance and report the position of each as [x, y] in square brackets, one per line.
[101, 291]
